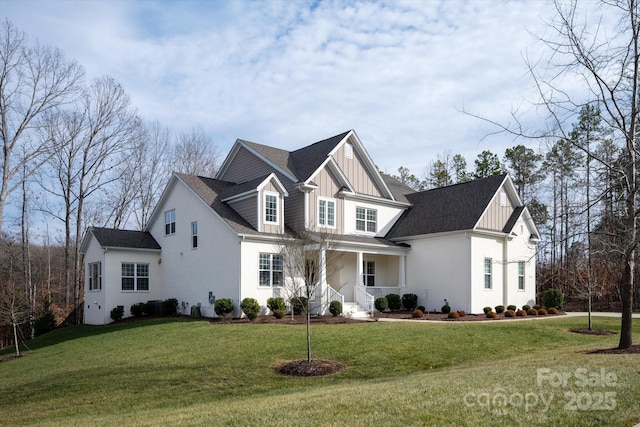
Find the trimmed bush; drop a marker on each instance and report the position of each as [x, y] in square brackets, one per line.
[446, 308]
[512, 307]
[417, 313]
[553, 310]
[532, 312]
[542, 312]
[526, 307]
[499, 309]
[553, 298]
[395, 303]
[170, 306]
[462, 313]
[536, 306]
[299, 304]
[492, 315]
[381, 303]
[250, 307]
[487, 310]
[276, 303]
[521, 313]
[410, 301]
[278, 314]
[223, 306]
[136, 309]
[117, 313]
[509, 313]
[453, 315]
[335, 308]
[421, 308]
[149, 308]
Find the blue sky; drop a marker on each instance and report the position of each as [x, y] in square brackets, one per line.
[289, 73]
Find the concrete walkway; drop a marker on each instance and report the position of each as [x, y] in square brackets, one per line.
[569, 314]
[601, 314]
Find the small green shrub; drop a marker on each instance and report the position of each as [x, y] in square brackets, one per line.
[417, 314]
[395, 303]
[117, 313]
[553, 298]
[276, 303]
[250, 307]
[553, 310]
[492, 315]
[421, 308]
[136, 309]
[521, 313]
[410, 301]
[381, 303]
[526, 307]
[512, 307]
[446, 308]
[278, 314]
[536, 306]
[149, 308]
[532, 312]
[499, 309]
[487, 310]
[299, 304]
[170, 306]
[223, 306]
[453, 315]
[542, 312]
[509, 313]
[335, 308]
[462, 313]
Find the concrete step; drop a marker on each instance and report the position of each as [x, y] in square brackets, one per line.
[354, 310]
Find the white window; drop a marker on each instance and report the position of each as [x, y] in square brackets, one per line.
[366, 219]
[348, 151]
[194, 235]
[326, 212]
[369, 273]
[170, 222]
[487, 273]
[521, 276]
[271, 208]
[270, 268]
[503, 198]
[135, 277]
[95, 276]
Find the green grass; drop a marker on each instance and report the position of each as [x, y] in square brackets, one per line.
[181, 372]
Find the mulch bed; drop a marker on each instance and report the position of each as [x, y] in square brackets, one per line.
[587, 331]
[634, 349]
[313, 368]
[10, 358]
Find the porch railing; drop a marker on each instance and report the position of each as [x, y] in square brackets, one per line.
[364, 298]
[382, 291]
[331, 294]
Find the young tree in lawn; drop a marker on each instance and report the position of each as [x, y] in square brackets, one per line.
[34, 80]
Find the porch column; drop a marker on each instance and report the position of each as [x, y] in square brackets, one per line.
[401, 272]
[322, 273]
[359, 272]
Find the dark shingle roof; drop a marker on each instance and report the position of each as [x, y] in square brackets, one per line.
[279, 157]
[112, 238]
[508, 227]
[397, 188]
[453, 208]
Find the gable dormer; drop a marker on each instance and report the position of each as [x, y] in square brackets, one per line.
[260, 202]
[501, 208]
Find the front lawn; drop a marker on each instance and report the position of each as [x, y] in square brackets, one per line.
[182, 372]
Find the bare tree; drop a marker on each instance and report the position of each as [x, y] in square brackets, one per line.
[195, 153]
[33, 81]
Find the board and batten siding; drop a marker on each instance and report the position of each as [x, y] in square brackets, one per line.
[356, 173]
[245, 167]
[498, 212]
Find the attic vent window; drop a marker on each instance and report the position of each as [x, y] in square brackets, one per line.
[348, 151]
[503, 198]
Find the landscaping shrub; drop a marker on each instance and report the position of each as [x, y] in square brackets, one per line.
[421, 308]
[45, 321]
[553, 298]
[462, 313]
[335, 308]
[278, 314]
[381, 303]
[542, 312]
[499, 309]
[526, 307]
[492, 315]
[532, 312]
[487, 310]
[395, 303]
[149, 308]
[250, 307]
[117, 313]
[136, 309]
[553, 310]
[509, 313]
[223, 306]
[170, 306]
[453, 315]
[445, 308]
[536, 306]
[276, 303]
[299, 304]
[417, 313]
[512, 307]
[410, 301]
[521, 313]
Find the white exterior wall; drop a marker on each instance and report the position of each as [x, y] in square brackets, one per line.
[249, 276]
[486, 247]
[190, 274]
[387, 216]
[521, 249]
[437, 268]
[95, 312]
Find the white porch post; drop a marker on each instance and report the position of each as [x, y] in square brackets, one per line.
[323, 267]
[359, 272]
[401, 272]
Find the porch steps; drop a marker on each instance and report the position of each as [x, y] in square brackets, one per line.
[354, 310]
